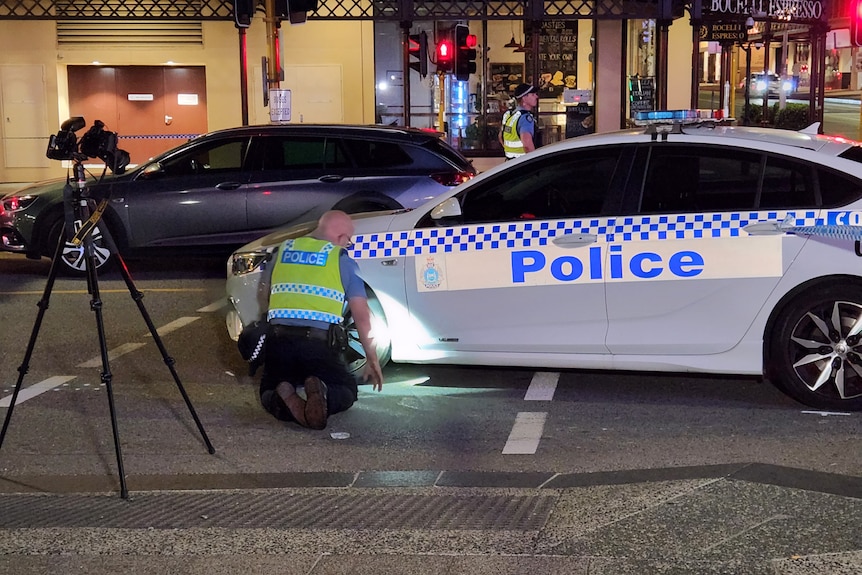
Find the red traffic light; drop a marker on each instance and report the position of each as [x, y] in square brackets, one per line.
[856, 22]
[471, 41]
[444, 51]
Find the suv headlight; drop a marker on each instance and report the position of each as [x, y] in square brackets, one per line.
[16, 203]
[243, 263]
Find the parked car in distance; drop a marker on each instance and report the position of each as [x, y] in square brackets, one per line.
[225, 188]
[679, 248]
[758, 84]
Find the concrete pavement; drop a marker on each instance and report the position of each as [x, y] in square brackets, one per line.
[739, 518]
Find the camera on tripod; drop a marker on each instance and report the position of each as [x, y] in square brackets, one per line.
[97, 142]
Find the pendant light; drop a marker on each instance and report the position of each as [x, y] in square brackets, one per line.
[512, 43]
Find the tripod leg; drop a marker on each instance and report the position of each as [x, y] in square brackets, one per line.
[107, 377]
[43, 306]
[138, 297]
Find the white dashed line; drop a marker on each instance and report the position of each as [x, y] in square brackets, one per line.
[543, 386]
[36, 389]
[173, 326]
[215, 306]
[112, 354]
[526, 433]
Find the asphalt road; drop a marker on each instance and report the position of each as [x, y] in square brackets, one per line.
[673, 438]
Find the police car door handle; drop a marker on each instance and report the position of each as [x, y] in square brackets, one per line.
[228, 185]
[764, 229]
[575, 240]
[331, 178]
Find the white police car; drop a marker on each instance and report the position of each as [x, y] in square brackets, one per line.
[703, 248]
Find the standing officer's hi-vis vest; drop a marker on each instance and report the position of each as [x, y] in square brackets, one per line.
[306, 282]
[512, 144]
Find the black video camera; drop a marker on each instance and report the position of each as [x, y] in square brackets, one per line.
[96, 143]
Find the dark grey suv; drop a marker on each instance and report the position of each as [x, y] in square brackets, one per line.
[228, 187]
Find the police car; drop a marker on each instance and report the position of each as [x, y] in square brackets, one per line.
[680, 247]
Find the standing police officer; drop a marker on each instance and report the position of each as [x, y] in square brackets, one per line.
[311, 278]
[517, 135]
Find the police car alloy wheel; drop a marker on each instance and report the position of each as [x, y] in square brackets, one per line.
[355, 355]
[815, 353]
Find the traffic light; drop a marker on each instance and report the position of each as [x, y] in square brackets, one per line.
[296, 11]
[445, 54]
[417, 47]
[856, 22]
[465, 53]
[243, 12]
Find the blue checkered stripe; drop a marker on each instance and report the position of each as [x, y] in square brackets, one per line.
[287, 313]
[327, 247]
[308, 290]
[536, 234]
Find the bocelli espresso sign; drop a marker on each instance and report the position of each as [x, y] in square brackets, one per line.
[723, 32]
[788, 10]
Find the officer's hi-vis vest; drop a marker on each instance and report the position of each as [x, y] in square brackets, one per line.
[512, 144]
[306, 282]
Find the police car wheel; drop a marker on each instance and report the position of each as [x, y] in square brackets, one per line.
[815, 350]
[72, 261]
[355, 355]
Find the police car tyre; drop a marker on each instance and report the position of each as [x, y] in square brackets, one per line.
[355, 355]
[815, 350]
[72, 260]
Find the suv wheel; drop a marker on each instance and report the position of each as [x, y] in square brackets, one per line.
[72, 260]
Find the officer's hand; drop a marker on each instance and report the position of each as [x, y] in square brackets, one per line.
[373, 372]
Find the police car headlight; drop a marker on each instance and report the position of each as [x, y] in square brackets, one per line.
[243, 263]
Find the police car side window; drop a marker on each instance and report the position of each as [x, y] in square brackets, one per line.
[571, 184]
[837, 189]
[699, 179]
[787, 183]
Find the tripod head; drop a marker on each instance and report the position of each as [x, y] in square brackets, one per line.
[97, 142]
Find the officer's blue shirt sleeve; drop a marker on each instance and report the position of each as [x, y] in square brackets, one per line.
[526, 123]
[353, 284]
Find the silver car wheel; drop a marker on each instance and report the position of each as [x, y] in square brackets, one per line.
[829, 348]
[73, 256]
[815, 347]
[355, 354]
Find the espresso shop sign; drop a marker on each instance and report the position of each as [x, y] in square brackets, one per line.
[723, 32]
[790, 10]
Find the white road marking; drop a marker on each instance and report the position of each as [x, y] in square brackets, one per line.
[112, 354]
[214, 306]
[526, 433]
[35, 389]
[173, 326]
[543, 386]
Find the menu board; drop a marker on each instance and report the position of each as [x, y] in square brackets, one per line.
[505, 77]
[558, 57]
[641, 93]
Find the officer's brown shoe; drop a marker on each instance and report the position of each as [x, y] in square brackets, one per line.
[294, 403]
[315, 403]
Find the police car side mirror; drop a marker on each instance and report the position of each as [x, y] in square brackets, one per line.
[449, 208]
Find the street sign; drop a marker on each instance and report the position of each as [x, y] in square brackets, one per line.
[279, 105]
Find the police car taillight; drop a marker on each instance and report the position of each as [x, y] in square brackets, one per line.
[452, 179]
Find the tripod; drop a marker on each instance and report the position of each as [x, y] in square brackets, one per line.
[78, 209]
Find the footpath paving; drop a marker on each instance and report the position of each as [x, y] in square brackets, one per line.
[720, 519]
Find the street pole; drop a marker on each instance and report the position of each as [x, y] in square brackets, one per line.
[441, 109]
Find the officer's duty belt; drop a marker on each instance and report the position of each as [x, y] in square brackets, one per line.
[297, 331]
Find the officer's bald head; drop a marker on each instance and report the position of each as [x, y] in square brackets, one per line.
[335, 226]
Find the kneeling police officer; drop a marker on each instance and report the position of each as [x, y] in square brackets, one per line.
[311, 278]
